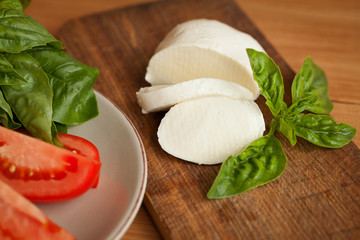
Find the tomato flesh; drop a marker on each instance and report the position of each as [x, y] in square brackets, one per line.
[80, 146]
[43, 172]
[20, 219]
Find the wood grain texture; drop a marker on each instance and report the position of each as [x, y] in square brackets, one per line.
[317, 197]
[327, 30]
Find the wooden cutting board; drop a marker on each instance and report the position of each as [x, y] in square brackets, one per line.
[318, 195]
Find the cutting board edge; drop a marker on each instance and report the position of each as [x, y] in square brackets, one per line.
[147, 199]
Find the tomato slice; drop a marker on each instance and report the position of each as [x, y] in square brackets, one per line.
[80, 146]
[43, 172]
[20, 219]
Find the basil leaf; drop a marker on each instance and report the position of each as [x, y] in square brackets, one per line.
[72, 84]
[25, 3]
[261, 162]
[54, 133]
[302, 105]
[19, 32]
[62, 128]
[31, 102]
[321, 130]
[6, 115]
[287, 130]
[268, 76]
[12, 4]
[8, 75]
[310, 83]
[4, 119]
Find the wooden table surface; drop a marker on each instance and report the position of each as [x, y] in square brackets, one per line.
[327, 30]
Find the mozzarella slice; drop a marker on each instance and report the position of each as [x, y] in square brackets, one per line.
[203, 49]
[162, 97]
[208, 130]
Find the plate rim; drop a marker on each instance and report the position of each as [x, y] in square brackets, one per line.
[118, 234]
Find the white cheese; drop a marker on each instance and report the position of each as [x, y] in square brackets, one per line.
[203, 49]
[208, 130]
[162, 97]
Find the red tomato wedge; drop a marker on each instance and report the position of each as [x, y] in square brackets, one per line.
[80, 146]
[20, 219]
[43, 172]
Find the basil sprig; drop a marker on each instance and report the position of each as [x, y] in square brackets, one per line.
[42, 88]
[264, 160]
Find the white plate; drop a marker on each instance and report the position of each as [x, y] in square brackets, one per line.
[107, 211]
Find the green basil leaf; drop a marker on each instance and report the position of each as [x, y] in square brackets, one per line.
[31, 102]
[12, 4]
[19, 32]
[268, 76]
[321, 130]
[4, 119]
[54, 133]
[72, 84]
[301, 105]
[25, 3]
[7, 122]
[62, 128]
[6, 115]
[261, 162]
[310, 83]
[8, 75]
[287, 130]
[15, 4]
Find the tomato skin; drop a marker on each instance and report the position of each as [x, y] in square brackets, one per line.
[80, 146]
[43, 172]
[20, 219]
